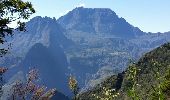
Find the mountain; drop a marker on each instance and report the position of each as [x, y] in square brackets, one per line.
[51, 63]
[155, 61]
[39, 30]
[47, 53]
[91, 44]
[104, 43]
[42, 47]
[102, 21]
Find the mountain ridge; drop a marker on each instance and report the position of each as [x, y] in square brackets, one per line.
[99, 21]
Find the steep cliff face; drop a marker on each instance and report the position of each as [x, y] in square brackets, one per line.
[38, 30]
[51, 63]
[100, 21]
[42, 47]
[46, 53]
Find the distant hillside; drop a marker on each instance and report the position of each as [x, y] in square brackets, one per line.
[157, 60]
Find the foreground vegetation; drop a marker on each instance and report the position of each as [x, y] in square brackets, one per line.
[25, 89]
[12, 11]
[148, 79]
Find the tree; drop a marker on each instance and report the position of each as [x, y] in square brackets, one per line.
[2, 71]
[29, 89]
[11, 11]
[73, 85]
[132, 82]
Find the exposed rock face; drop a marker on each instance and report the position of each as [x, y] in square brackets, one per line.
[100, 21]
[51, 63]
[39, 30]
[41, 46]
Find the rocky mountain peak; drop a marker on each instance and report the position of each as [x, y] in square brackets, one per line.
[102, 21]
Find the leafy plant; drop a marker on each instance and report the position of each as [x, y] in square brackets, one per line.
[132, 82]
[158, 93]
[12, 11]
[107, 94]
[2, 71]
[73, 84]
[29, 89]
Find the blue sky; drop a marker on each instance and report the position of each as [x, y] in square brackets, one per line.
[148, 15]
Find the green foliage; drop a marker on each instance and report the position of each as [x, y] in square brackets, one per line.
[107, 90]
[11, 11]
[148, 79]
[151, 80]
[132, 82]
[106, 94]
[165, 85]
[158, 94]
[157, 90]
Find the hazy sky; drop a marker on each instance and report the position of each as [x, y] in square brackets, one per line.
[148, 15]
